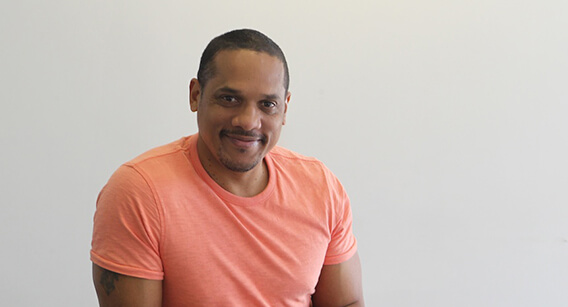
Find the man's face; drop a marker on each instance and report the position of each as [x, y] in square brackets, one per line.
[241, 110]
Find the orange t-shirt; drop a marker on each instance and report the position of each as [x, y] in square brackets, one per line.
[161, 216]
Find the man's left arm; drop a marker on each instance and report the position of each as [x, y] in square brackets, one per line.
[340, 285]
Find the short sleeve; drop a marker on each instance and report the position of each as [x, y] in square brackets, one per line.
[343, 244]
[126, 230]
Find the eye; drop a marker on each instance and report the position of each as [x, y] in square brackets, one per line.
[228, 100]
[268, 104]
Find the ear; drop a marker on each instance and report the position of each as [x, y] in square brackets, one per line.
[194, 94]
[288, 95]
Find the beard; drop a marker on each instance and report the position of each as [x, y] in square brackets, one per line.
[232, 164]
[237, 166]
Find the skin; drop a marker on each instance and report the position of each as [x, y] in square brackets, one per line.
[240, 113]
[115, 290]
[340, 285]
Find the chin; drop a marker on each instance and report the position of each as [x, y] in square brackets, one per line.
[239, 165]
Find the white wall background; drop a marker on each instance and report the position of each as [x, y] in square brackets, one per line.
[445, 120]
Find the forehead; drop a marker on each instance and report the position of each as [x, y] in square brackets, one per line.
[247, 69]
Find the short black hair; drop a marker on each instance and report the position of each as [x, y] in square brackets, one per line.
[235, 40]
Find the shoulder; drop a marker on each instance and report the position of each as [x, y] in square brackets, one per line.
[290, 160]
[279, 153]
[139, 173]
[162, 161]
[303, 167]
[162, 152]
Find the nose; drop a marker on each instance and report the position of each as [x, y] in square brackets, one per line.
[247, 117]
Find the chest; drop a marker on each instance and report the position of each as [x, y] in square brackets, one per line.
[270, 251]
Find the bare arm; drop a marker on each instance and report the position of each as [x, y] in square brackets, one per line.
[340, 285]
[115, 289]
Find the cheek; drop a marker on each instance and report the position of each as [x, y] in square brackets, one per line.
[209, 118]
[274, 125]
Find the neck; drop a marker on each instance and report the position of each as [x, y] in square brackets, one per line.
[244, 184]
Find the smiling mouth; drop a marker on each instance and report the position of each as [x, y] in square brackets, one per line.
[243, 139]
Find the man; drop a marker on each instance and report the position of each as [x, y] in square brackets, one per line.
[224, 217]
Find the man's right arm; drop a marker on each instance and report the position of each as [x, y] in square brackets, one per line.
[126, 233]
[115, 289]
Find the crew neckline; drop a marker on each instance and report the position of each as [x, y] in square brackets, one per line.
[220, 191]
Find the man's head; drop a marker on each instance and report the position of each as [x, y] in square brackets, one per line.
[239, 39]
[241, 99]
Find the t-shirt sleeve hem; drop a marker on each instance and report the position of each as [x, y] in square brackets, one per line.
[124, 269]
[336, 259]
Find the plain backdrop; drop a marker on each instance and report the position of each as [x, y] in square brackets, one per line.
[445, 120]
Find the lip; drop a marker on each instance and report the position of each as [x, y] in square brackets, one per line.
[242, 141]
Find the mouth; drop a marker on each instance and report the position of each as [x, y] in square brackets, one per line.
[243, 139]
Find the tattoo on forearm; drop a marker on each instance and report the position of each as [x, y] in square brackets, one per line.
[107, 280]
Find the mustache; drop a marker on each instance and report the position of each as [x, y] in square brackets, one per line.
[241, 132]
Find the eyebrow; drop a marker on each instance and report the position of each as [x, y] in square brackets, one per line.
[227, 89]
[230, 90]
